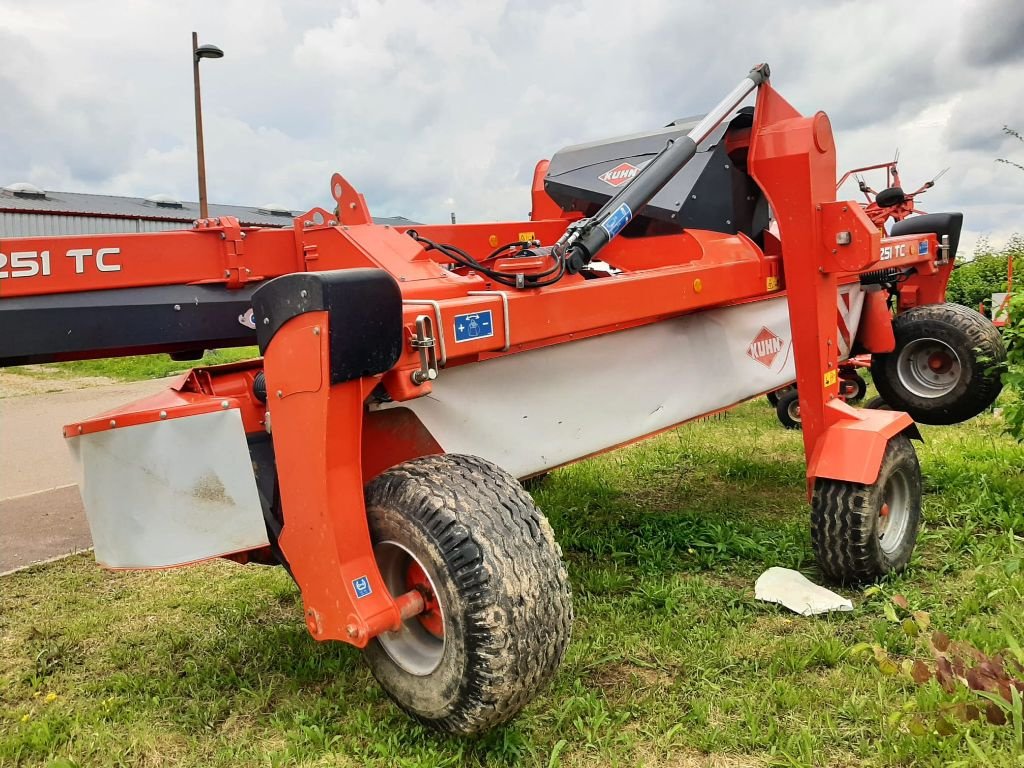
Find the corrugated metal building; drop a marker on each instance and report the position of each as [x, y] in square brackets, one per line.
[27, 211]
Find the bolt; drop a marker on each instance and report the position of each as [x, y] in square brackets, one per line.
[223, 236]
[227, 273]
[280, 393]
[177, 307]
[266, 321]
[224, 404]
[79, 429]
[163, 415]
[113, 422]
[352, 631]
[303, 293]
[242, 235]
[316, 331]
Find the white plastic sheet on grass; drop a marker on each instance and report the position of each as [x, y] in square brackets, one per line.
[794, 591]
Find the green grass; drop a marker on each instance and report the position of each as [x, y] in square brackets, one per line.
[135, 367]
[672, 663]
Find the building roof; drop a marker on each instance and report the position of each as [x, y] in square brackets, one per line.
[23, 198]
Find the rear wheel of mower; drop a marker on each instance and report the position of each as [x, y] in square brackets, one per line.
[877, 404]
[499, 607]
[773, 397]
[863, 532]
[788, 409]
[852, 387]
[944, 369]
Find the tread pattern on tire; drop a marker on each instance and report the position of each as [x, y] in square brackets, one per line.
[501, 552]
[969, 398]
[844, 519]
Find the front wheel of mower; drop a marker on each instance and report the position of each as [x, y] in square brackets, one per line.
[863, 532]
[498, 604]
[787, 408]
[945, 368]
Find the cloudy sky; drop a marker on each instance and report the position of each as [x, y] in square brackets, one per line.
[429, 106]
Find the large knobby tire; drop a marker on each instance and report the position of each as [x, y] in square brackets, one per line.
[503, 606]
[863, 532]
[945, 368]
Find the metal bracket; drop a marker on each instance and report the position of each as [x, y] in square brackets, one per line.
[504, 311]
[943, 251]
[236, 274]
[424, 343]
[442, 355]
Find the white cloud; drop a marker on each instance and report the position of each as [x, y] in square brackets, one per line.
[428, 106]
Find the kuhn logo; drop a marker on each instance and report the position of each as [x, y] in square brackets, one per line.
[765, 347]
[619, 175]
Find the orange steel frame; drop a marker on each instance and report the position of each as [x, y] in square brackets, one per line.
[327, 443]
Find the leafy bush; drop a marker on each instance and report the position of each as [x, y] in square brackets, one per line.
[974, 281]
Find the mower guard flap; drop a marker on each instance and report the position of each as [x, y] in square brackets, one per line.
[852, 447]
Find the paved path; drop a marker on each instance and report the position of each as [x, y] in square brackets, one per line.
[41, 515]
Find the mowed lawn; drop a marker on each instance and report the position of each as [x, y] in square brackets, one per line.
[672, 663]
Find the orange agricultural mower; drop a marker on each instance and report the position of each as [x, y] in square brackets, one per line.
[410, 375]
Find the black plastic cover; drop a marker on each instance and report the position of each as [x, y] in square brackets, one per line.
[932, 223]
[711, 192]
[364, 309]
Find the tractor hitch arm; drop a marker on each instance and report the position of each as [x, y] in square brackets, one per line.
[584, 238]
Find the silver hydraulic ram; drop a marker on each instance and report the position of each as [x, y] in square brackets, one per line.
[584, 238]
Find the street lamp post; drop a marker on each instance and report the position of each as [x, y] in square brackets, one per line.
[201, 52]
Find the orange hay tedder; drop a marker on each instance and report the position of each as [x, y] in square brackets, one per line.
[410, 375]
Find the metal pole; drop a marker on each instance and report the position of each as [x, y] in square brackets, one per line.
[204, 212]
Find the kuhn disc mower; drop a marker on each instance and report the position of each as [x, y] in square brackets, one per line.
[410, 375]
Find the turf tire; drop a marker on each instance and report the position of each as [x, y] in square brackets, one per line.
[846, 523]
[499, 577]
[977, 345]
[787, 408]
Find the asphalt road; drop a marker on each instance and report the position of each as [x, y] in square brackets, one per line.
[41, 515]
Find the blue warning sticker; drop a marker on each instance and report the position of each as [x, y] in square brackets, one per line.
[618, 220]
[922, 248]
[362, 587]
[477, 325]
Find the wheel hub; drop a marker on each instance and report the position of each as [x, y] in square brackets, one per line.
[928, 368]
[418, 646]
[894, 513]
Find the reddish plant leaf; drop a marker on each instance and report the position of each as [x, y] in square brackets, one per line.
[1003, 687]
[944, 674]
[959, 669]
[943, 727]
[966, 712]
[920, 672]
[995, 715]
[979, 681]
[967, 651]
[940, 640]
[901, 601]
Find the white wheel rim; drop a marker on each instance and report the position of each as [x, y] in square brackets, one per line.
[412, 647]
[894, 513]
[928, 368]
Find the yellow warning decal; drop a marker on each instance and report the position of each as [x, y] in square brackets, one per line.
[772, 284]
[831, 377]
[525, 237]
